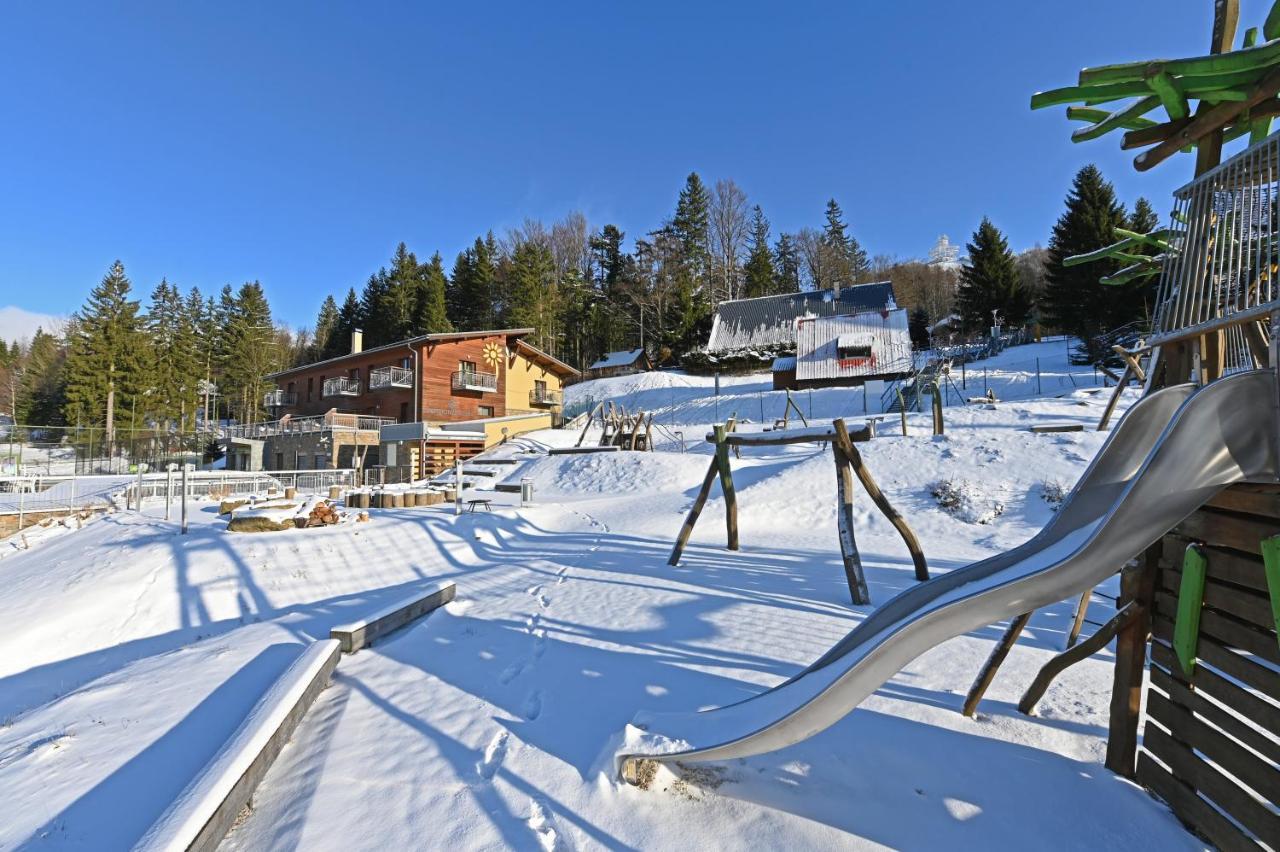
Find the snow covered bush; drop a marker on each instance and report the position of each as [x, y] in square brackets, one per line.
[966, 501]
[1053, 492]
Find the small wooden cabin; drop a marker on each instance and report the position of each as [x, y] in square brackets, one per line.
[622, 363]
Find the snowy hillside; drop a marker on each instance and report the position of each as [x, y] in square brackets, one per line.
[493, 722]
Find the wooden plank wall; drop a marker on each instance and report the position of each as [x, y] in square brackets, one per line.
[1211, 742]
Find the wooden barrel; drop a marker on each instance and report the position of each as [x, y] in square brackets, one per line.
[335, 491]
[290, 493]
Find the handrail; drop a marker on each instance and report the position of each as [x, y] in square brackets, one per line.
[474, 380]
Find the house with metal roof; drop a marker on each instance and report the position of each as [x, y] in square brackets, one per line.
[769, 322]
[847, 350]
[621, 363]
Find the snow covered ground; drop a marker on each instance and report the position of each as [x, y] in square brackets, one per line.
[134, 652]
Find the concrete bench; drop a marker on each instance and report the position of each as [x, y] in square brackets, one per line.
[359, 634]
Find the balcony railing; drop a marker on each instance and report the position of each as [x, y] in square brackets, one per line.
[473, 380]
[545, 396]
[331, 422]
[341, 386]
[382, 378]
[279, 398]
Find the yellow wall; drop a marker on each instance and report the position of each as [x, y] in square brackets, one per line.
[493, 429]
[521, 374]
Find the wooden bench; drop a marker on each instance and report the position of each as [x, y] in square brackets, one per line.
[480, 501]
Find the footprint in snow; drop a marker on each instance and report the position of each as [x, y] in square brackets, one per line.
[532, 708]
[540, 823]
[511, 672]
[494, 753]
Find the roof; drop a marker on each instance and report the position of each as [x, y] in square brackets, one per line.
[818, 341]
[409, 341]
[542, 359]
[784, 364]
[621, 358]
[770, 320]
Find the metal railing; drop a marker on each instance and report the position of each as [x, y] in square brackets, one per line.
[333, 421]
[341, 386]
[475, 381]
[381, 378]
[279, 398]
[545, 396]
[1221, 270]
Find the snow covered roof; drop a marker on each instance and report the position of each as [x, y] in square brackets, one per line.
[621, 358]
[771, 320]
[818, 343]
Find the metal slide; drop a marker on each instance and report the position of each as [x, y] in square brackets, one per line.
[1173, 450]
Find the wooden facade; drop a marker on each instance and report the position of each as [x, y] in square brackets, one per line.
[509, 377]
[1210, 741]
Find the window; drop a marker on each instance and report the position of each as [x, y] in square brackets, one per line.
[467, 367]
[404, 363]
[853, 350]
[540, 388]
[404, 412]
[354, 373]
[289, 389]
[486, 410]
[311, 383]
[322, 387]
[322, 461]
[279, 461]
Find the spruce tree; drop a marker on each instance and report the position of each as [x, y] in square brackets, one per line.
[786, 260]
[373, 304]
[531, 291]
[474, 286]
[845, 258]
[1074, 300]
[350, 317]
[253, 353]
[176, 365]
[989, 281]
[326, 323]
[430, 313]
[758, 272]
[105, 360]
[40, 395]
[1134, 300]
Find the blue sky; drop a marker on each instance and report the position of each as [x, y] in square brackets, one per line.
[297, 143]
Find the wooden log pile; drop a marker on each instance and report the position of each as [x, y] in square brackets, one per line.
[323, 514]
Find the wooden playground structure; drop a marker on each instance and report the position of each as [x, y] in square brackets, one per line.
[1195, 704]
[620, 428]
[848, 463]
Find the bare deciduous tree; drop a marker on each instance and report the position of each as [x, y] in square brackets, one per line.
[729, 218]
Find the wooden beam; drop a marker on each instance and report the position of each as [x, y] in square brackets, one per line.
[686, 529]
[993, 663]
[726, 485]
[1137, 583]
[882, 502]
[1077, 624]
[1071, 656]
[1115, 398]
[1226, 17]
[853, 571]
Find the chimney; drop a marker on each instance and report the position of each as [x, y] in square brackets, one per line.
[357, 341]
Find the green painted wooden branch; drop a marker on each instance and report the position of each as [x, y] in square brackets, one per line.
[1271, 566]
[1117, 119]
[1257, 58]
[1186, 626]
[1094, 115]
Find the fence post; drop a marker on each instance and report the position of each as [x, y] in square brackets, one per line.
[457, 490]
[184, 499]
[963, 357]
[137, 498]
[1038, 391]
[22, 502]
[984, 379]
[168, 490]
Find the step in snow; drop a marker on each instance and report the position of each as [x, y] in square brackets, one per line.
[358, 634]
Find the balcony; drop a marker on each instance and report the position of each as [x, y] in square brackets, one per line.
[341, 386]
[279, 399]
[384, 378]
[473, 380]
[545, 396]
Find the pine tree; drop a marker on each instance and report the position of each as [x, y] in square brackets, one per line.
[990, 282]
[254, 352]
[373, 301]
[845, 258]
[786, 260]
[692, 227]
[758, 272]
[474, 305]
[326, 323]
[104, 362]
[40, 395]
[175, 361]
[918, 327]
[1074, 300]
[531, 291]
[350, 318]
[430, 313]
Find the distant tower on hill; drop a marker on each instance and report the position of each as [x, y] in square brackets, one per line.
[944, 253]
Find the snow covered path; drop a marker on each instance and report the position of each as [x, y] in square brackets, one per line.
[492, 722]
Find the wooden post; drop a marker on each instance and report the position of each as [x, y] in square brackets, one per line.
[992, 665]
[877, 496]
[1115, 398]
[902, 409]
[648, 433]
[726, 485]
[635, 430]
[1137, 584]
[1082, 607]
[1071, 656]
[590, 416]
[686, 529]
[937, 409]
[853, 571]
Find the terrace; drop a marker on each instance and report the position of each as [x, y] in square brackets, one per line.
[384, 378]
[474, 380]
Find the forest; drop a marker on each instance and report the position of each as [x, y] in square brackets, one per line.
[187, 358]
